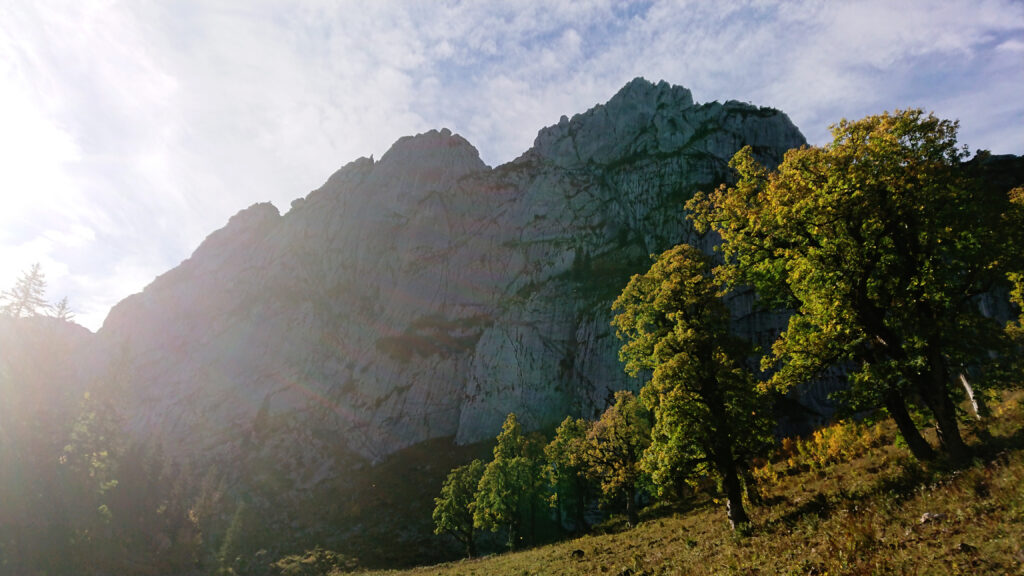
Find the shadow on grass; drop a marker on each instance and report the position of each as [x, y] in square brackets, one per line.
[898, 486]
[997, 447]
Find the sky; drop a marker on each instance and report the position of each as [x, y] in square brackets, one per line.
[131, 130]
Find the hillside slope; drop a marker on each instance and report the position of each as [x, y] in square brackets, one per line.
[876, 513]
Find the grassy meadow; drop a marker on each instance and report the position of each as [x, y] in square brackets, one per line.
[848, 500]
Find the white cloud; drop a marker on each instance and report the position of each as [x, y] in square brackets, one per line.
[1013, 46]
[132, 130]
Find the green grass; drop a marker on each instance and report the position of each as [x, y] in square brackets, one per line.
[862, 515]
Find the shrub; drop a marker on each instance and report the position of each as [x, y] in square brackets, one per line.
[315, 562]
[839, 442]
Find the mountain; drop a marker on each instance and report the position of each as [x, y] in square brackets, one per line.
[309, 378]
[379, 332]
[426, 295]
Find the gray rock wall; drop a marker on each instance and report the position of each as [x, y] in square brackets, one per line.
[427, 295]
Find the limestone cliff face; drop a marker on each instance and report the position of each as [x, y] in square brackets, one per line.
[425, 294]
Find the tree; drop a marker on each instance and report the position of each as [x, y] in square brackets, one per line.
[27, 296]
[1015, 221]
[232, 558]
[155, 514]
[453, 509]
[63, 311]
[566, 456]
[709, 415]
[615, 446]
[880, 244]
[91, 462]
[510, 492]
[1013, 365]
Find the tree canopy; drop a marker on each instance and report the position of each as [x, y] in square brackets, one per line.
[880, 243]
[453, 509]
[615, 447]
[566, 457]
[708, 411]
[509, 494]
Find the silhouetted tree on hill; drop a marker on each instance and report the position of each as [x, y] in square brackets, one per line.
[27, 297]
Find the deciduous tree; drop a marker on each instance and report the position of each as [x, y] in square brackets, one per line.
[615, 446]
[510, 493]
[879, 243]
[91, 461]
[566, 456]
[1015, 221]
[453, 509]
[709, 416]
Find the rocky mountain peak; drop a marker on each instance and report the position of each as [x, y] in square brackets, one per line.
[642, 96]
[432, 160]
[642, 117]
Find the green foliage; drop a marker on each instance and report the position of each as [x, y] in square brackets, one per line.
[95, 445]
[27, 297]
[864, 516]
[511, 491]
[154, 511]
[839, 442]
[566, 457]
[315, 562]
[880, 243]
[615, 446]
[90, 463]
[842, 441]
[77, 497]
[709, 414]
[236, 554]
[453, 509]
[1015, 222]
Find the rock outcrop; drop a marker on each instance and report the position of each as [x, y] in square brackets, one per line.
[425, 294]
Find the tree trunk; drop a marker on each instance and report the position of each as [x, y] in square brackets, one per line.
[513, 535]
[533, 521]
[919, 447]
[978, 405]
[560, 515]
[733, 494]
[471, 546]
[947, 428]
[581, 507]
[632, 514]
[932, 386]
[722, 453]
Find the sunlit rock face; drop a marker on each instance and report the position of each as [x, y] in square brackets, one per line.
[425, 294]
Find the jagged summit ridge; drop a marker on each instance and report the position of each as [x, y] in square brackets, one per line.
[433, 160]
[655, 119]
[630, 112]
